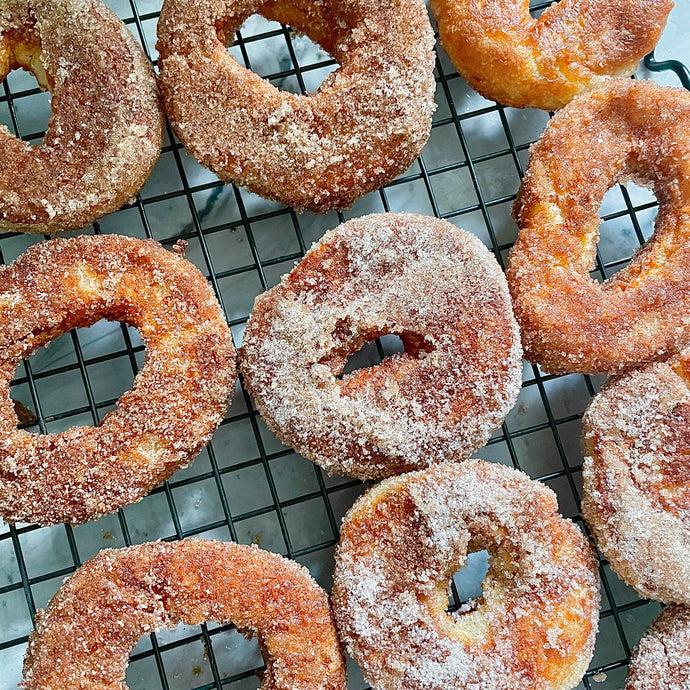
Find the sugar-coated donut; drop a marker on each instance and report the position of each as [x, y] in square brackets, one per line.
[661, 661]
[178, 398]
[636, 476]
[627, 130]
[106, 128]
[365, 125]
[572, 47]
[84, 637]
[435, 286]
[400, 544]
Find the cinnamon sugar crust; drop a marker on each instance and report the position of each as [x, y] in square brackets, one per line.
[106, 128]
[573, 47]
[661, 661]
[532, 629]
[626, 131]
[636, 494]
[432, 284]
[83, 638]
[178, 398]
[366, 124]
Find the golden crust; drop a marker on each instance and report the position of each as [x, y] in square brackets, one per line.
[178, 398]
[401, 543]
[636, 478]
[661, 661]
[424, 279]
[571, 48]
[627, 130]
[106, 129]
[83, 638]
[366, 124]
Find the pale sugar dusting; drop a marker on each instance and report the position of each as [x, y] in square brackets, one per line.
[661, 661]
[637, 479]
[435, 286]
[534, 626]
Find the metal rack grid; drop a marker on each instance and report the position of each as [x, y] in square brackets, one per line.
[246, 486]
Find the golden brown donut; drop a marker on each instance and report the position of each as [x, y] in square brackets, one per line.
[574, 46]
[661, 661]
[366, 123]
[400, 544]
[636, 476]
[106, 128]
[424, 279]
[84, 637]
[627, 130]
[178, 398]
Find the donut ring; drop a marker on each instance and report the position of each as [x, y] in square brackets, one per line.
[534, 626]
[661, 661]
[365, 125]
[106, 128]
[424, 279]
[636, 476]
[509, 57]
[84, 637]
[627, 130]
[178, 398]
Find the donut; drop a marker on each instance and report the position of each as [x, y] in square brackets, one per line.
[84, 637]
[435, 286]
[533, 628]
[365, 125]
[106, 128]
[636, 477]
[178, 398]
[661, 661]
[627, 130]
[573, 47]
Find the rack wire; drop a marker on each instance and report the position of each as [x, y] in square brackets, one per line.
[246, 486]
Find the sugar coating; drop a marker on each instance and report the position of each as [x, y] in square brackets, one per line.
[431, 283]
[106, 128]
[366, 123]
[83, 638]
[636, 475]
[401, 543]
[178, 398]
[661, 661]
[572, 47]
[626, 130]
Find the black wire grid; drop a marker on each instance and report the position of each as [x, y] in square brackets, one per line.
[246, 486]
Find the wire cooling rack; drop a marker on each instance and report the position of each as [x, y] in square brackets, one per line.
[246, 486]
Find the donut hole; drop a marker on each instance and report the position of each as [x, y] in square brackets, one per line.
[628, 213]
[383, 349]
[465, 587]
[90, 365]
[286, 57]
[236, 655]
[32, 110]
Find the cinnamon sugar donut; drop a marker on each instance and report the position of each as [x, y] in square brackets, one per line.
[400, 544]
[435, 286]
[83, 638]
[178, 398]
[661, 661]
[636, 495]
[571, 48]
[366, 123]
[106, 128]
[627, 130]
